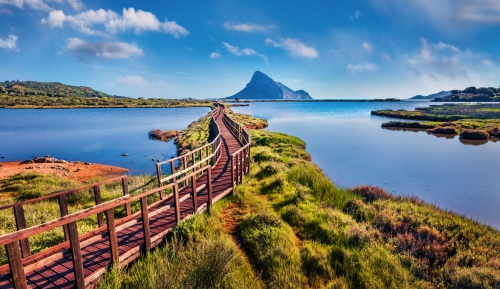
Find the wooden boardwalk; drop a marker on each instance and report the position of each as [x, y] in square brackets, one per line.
[80, 260]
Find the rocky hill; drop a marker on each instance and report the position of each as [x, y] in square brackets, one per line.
[262, 86]
[48, 89]
[431, 96]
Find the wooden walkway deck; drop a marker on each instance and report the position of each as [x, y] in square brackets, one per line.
[122, 241]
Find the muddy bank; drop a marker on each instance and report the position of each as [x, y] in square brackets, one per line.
[77, 171]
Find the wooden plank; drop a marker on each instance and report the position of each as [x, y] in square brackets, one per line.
[21, 225]
[16, 265]
[177, 205]
[158, 176]
[172, 166]
[125, 193]
[145, 224]
[195, 194]
[76, 253]
[241, 167]
[232, 171]
[113, 239]
[63, 208]
[209, 187]
[98, 201]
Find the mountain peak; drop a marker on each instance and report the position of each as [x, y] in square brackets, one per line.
[262, 86]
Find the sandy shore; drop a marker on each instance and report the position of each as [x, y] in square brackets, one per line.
[76, 171]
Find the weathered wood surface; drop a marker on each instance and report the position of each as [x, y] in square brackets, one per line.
[121, 241]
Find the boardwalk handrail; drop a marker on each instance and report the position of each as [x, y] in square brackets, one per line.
[11, 240]
[240, 159]
[18, 262]
[62, 198]
[212, 154]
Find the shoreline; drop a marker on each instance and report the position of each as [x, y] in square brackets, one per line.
[78, 171]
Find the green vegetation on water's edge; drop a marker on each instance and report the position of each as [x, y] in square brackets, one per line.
[8, 101]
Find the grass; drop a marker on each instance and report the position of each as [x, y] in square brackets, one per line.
[247, 121]
[198, 255]
[196, 135]
[38, 101]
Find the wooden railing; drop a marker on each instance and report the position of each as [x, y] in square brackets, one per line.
[240, 160]
[11, 241]
[205, 155]
[62, 198]
[192, 166]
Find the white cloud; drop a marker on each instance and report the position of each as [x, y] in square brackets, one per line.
[361, 66]
[478, 11]
[76, 4]
[130, 19]
[248, 27]
[103, 50]
[386, 57]
[295, 47]
[236, 51]
[445, 63]
[9, 42]
[367, 47]
[356, 15]
[214, 55]
[33, 4]
[40, 4]
[135, 81]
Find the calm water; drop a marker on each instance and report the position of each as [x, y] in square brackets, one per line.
[351, 147]
[93, 135]
[342, 137]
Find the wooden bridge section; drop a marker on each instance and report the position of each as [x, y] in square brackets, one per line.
[195, 181]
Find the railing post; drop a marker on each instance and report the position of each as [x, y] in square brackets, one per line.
[98, 200]
[113, 239]
[177, 205]
[145, 224]
[172, 166]
[63, 208]
[125, 192]
[159, 176]
[232, 170]
[207, 154]
[209, 188]
[195, 196]
[242, 167]
[16, 265]
[76, 253]
[20, 225]
[248, 159]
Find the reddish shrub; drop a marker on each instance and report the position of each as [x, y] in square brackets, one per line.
[371, 193]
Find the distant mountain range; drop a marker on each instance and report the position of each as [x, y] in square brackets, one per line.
[56, 89]
[262, 86]
[432, 96]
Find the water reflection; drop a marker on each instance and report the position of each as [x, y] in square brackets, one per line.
[473, 142]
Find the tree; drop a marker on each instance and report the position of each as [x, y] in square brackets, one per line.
[471, 89]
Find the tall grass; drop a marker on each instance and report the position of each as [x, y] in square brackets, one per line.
[197, 255]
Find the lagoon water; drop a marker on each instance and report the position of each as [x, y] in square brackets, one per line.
[342, 137]
[97, 135]
[347, 142]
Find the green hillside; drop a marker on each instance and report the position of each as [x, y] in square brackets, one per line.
[54, 89]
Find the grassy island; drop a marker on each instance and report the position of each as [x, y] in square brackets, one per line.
[472, 121]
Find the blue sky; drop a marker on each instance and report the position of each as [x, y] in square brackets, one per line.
[209, 49]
